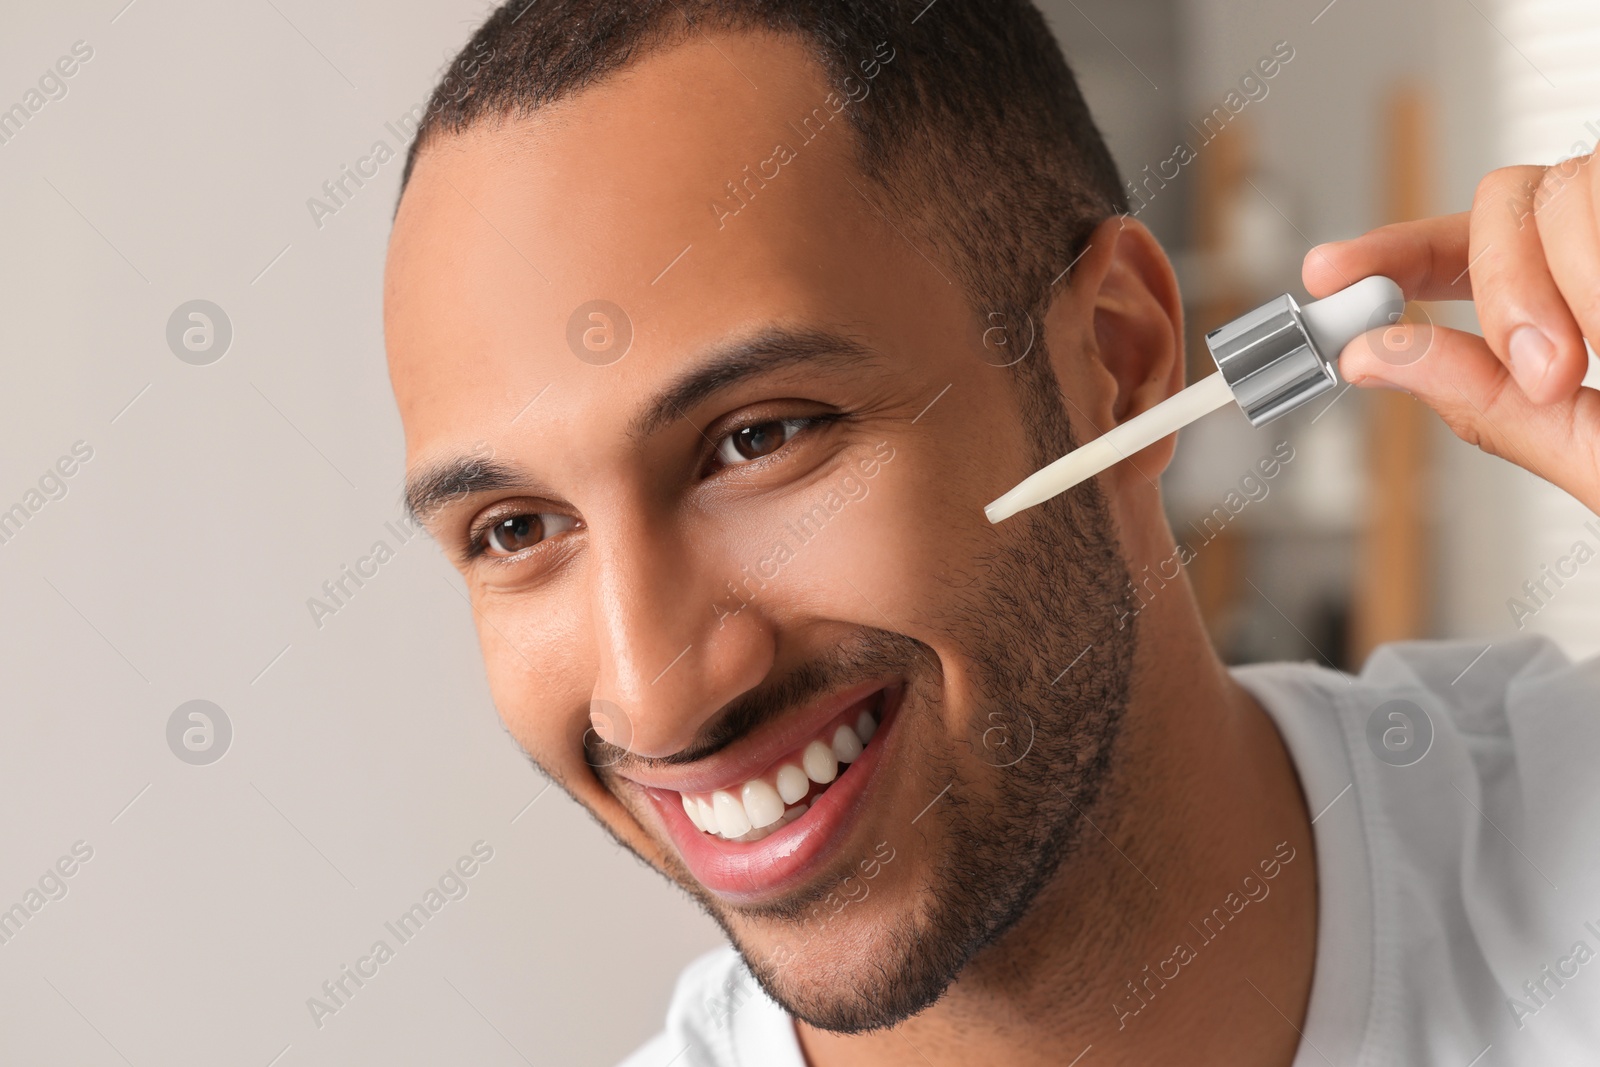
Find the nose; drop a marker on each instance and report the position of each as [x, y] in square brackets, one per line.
[677, 640]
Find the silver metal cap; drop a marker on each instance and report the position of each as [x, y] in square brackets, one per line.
[1269, 360]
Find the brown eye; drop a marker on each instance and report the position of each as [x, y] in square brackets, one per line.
[759, 440]
[510, 536]
[518, 533]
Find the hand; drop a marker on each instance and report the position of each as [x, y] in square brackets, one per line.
[1528, 255]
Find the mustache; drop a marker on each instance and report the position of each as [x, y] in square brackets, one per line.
[867, 654]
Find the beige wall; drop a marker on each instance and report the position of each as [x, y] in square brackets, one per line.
[367, 758]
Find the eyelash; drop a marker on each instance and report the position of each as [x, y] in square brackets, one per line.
[800, 424]
[478, 538]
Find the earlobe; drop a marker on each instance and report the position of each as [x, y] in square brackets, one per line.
[1124, 283]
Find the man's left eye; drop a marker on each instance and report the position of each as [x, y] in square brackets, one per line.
[758, 440]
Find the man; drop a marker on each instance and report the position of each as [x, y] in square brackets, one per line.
[709, 324]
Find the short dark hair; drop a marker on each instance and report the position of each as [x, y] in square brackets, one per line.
[976, 133]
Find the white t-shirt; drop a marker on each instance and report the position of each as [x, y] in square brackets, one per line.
[1458, 860]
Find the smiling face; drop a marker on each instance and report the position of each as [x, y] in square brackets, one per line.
[715, 479]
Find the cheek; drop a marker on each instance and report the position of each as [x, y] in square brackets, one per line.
[870, 559]
[539, 688]
[920, 524]
[900, 559]
[828, 554]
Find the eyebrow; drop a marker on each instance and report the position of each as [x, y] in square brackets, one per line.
[434, 486]
[727, 366]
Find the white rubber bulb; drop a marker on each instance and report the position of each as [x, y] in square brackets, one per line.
[1335, 321]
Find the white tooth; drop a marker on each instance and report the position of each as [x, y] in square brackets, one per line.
[692, 809]
[708, 815]
[866, 726]
[846, 745]
[762, 831]
[761, 803]
[820, 765]
[793, 784]
[731, 818]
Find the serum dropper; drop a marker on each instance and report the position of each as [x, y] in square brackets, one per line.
[1270, 361]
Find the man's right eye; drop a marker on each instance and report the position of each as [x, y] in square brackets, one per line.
[511, 535]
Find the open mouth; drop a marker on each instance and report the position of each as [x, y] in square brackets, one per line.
[751, 833]
[785, 791]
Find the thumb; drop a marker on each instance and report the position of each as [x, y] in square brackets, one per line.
[1457, 375]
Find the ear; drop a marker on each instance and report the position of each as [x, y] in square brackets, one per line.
[1132, 357]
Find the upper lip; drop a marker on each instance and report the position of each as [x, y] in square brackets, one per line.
[752, 755]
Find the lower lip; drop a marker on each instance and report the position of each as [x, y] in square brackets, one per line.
[747, 872]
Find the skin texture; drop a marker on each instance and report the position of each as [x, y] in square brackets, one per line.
[506, 229]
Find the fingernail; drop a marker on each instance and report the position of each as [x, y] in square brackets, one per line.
[1531, 356]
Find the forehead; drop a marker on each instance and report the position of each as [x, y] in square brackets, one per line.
[689, 193]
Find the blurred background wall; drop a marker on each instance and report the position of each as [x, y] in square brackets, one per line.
[343, 764]
[1382, 527]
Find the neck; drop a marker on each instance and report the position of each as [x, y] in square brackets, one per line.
[1182, 928]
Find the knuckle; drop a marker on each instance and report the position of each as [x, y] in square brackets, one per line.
[1559, 187]
[1508, 187]
[1484, 197]
[1471, 428]
[1467, 430]
[1549, 199]
[1495, 395]
[1488, 266]
[1474, 420]
[1548, 182]
[1461, 418]
[1497, 183]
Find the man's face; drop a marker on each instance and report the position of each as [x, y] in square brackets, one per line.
[728, 520]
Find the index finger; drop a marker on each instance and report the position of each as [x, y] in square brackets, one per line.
[1428, 258]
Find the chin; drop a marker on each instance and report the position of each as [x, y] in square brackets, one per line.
[862, 968]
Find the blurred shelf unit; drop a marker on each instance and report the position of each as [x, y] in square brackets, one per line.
[1308, 536]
